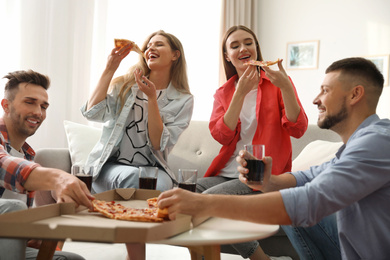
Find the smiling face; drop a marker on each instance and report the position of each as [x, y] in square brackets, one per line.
[159, 53]
[26, 112]
[240, 48]
[331, 102]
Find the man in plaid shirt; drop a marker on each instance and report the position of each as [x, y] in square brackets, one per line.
[25, 103]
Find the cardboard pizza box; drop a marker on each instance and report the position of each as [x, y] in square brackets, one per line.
[64, 222]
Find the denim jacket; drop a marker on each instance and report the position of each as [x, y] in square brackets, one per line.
[175, 111]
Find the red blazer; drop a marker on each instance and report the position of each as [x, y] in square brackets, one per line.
[273, 128]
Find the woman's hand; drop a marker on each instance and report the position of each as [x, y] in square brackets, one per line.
[278, 77]
[145, 85]
[249, 80]
[114, 59]
[116, 56]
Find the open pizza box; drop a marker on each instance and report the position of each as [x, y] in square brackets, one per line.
[64, 222]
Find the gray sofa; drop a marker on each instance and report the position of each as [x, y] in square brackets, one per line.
[196, 149]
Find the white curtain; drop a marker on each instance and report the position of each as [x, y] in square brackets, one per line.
[54, 38]
[237, 12]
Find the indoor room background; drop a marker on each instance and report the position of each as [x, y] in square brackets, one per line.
[70, 40]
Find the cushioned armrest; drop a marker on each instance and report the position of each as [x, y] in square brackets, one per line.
[54, 158]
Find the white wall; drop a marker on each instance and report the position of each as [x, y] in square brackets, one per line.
[344, 28]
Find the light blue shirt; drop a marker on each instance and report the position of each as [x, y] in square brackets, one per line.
[175, 111]
[356, 185]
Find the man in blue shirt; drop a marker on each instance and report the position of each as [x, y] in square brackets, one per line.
[355, 184]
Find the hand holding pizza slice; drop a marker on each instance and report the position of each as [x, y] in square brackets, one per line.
[161, 213]
[261, 63]
[120, 43]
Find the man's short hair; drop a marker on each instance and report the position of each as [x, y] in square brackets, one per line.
[22, 76]
[360, 69]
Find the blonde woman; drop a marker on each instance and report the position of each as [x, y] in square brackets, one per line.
[144, 112]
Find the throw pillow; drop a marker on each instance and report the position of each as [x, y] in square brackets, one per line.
[81, 140]
[315, 153]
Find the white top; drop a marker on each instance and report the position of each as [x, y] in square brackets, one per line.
[248, 130]
[134, 149]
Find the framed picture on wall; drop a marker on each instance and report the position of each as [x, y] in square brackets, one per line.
[382, 63]
[302, 55]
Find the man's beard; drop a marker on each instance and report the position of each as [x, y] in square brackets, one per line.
[331, 120]
[19, 125]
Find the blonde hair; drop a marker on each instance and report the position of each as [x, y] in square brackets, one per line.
[178, 73]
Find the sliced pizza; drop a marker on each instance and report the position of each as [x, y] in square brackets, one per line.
[142, 215]
[108, 208]
[120, 43]
[161, 213]
[117, 211]
[152, 202]
[261, 63]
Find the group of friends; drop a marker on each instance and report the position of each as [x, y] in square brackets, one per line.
[336, 210]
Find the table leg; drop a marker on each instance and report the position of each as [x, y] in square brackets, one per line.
[212, 252]
[47, 249]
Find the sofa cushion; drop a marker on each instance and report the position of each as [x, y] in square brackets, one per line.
[195, 149]
[81, 140]
[315, 153]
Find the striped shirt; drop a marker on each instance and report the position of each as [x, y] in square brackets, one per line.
[14, 171]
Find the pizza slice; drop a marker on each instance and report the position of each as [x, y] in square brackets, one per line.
[108, 209]
[142, 215]
[161, 213]
[123, 42]
[117, 211]
[261, 63]
[152, 202]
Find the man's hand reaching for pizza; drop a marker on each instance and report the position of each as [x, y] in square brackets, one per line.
[179, 201]
[67, 187]
[70, 189]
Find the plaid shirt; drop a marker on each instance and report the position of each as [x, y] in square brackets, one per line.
[14, 171]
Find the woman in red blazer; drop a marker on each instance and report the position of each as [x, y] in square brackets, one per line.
[257, 105]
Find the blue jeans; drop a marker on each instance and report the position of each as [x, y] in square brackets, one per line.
[114, 175]
[318, 242]
[32, 253]
[228, 186]
[13, 249]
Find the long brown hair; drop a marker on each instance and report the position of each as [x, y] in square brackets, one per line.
[178, 73]
[230, 70]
